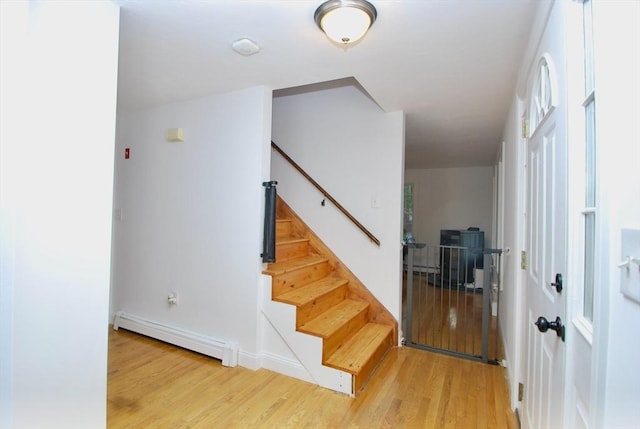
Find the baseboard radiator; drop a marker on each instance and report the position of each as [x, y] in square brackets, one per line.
[225, 351]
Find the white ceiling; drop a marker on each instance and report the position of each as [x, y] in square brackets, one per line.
[450, 65]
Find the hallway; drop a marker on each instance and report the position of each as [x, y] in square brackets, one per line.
[155, 385]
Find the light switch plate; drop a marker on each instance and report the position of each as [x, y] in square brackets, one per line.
[629, 266]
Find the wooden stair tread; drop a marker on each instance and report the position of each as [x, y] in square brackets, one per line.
[356, 352]
[291, 240]
[293, 264]
[335, 318]
[289, 248]
[312, 291]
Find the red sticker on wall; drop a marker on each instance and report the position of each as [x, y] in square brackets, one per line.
[126, 153]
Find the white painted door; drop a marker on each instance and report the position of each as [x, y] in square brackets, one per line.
[546, 230]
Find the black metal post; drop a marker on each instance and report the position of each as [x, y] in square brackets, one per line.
[269, 239]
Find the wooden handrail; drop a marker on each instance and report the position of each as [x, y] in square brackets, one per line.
[326, 194]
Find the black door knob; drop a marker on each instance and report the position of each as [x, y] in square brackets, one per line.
[544, 325]
[558, 283]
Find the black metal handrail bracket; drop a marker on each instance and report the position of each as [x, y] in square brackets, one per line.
[269, 239]
[326, 194]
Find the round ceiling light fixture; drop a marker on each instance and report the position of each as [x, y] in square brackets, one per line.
[345, 21]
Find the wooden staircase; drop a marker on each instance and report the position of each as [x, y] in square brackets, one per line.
[330, 302]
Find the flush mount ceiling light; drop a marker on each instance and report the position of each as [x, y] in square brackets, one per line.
[345, 21]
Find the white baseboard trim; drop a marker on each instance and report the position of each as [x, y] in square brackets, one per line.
[249, 360]
[226, 351]
[512, 379]
[285, 366]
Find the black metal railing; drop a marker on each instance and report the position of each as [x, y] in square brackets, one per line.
[452, 300]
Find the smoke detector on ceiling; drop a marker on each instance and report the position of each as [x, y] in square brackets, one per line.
[245, 47]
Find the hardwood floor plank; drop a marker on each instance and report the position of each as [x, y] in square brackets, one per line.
[155, 385]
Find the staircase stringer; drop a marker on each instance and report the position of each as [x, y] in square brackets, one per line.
[306, 348]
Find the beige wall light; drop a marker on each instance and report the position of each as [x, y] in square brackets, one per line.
[345, 21]
[175, 135]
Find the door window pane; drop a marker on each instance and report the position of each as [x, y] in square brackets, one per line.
[589, 261]
[590, 196]
[590, 154]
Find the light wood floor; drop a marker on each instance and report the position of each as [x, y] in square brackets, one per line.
[155, 385]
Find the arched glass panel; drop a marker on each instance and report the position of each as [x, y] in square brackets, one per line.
[542, 94]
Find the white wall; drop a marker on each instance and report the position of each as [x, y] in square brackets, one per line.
[192, 215]
[59, 75]
[355, 151]
[617, 54]
[451, 198]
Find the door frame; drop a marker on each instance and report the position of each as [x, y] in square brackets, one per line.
[588, 348]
